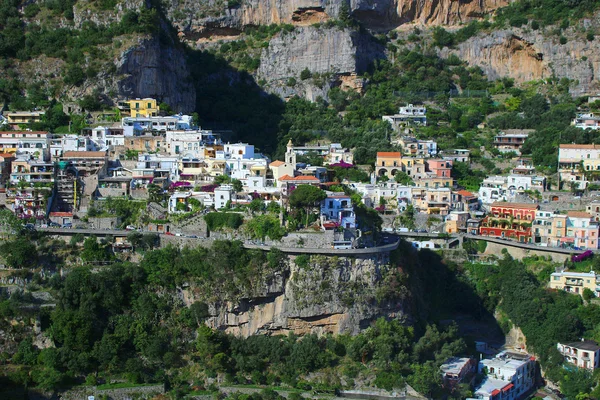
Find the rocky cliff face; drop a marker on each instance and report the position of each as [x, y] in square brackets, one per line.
[527, 55]
[150, 69]
[190, 16]
[328, 52]
[331, 295]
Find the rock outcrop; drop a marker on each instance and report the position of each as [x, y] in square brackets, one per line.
[196, 16]
[328, 52]
[152, 69]
[331, 295]
[527, 55]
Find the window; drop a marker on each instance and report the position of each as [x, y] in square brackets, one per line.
[556, 278]
[149, 105]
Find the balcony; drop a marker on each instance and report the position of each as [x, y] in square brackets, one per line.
[575, 282]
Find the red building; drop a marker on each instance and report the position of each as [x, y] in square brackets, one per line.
[509, 220]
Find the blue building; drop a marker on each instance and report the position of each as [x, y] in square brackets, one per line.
[337, 210]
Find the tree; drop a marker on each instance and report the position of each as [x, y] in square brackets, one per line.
[155, 193]
[307, 196]
[19, 253]
[407, 218]
[305, 74]
[403, 178]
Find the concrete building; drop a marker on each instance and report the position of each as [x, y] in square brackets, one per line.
[223, 194]
[577, 160]
[388, 163]
[509, 220]
[456, 155]
[33, 143]
[509, 141]
[408, 115]
[432, 200]
[575, 282]
[456, 221]
[506, 188]
[587, 121]
[509, 376]
[440, 168]
[583, 354]
[457, 370]
[146, 107]
[17, 119]
[417, 148]
[338, 209]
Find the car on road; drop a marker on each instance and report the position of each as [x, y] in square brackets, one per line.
[43, 226]
[130, 228]
[68, 225]
[193, 236]
[402, 230]
[54, 225]
[169, 234]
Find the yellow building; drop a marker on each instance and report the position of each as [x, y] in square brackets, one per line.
[143, 107]
[575, 282]
[388, 163]
[18, 118]
[280, 168]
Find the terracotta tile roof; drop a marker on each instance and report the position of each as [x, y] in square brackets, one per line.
[386, 154]
[298, 178]
[578, 214]
[580, 146]
[61, 214]
[84, 154]
[515, 205]
[338, 196]
[7, 155]
[276, 163]
[465, 193]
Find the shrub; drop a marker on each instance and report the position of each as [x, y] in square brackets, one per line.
[218, 220]
[563, 40]
[305, 74]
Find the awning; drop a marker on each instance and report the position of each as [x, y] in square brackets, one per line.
[508, 387]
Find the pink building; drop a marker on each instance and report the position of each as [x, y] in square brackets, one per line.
[441, 168]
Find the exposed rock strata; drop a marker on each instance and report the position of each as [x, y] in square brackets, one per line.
[332, 295]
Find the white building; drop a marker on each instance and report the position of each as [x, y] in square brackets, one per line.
[236, 151]
[60, 144]
[223, 194]
[36, 144]
[584, 354]
[408, 115]
[135, 126]
[190, 144]
[505, 188]
[509, 377]
[587, 121]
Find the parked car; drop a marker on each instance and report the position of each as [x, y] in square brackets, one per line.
[169, 234]
[402, 230]
[54, 225]
[130, 228]
[68, 225]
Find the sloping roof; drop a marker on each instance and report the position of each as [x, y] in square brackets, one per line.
[465, 193]
[276, 163]
[299, 178]
[515, 205]
[579, 146]
[578, 214]
[389, 154]
[61, 214]
[584, 344]
[84, 154]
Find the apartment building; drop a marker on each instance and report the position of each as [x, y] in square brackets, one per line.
[34, 143]
[575, 160]
[510, 141]
[408, 115]
[17, 119]
[414, 147]
[441, 168]
[593, 209]
[338, 209]
[146, 107]
[505, 188]
[583, 354]
[456, 221]
[587, 121]
[575, 282]
[509, 220]
[388, 163]
[509, 376]
[456, 155]
[432, 200]
[457, 370]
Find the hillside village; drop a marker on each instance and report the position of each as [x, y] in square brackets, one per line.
[180, 175]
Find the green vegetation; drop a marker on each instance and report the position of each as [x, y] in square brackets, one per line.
[545, 317]
[544, 12]
[220, 220]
